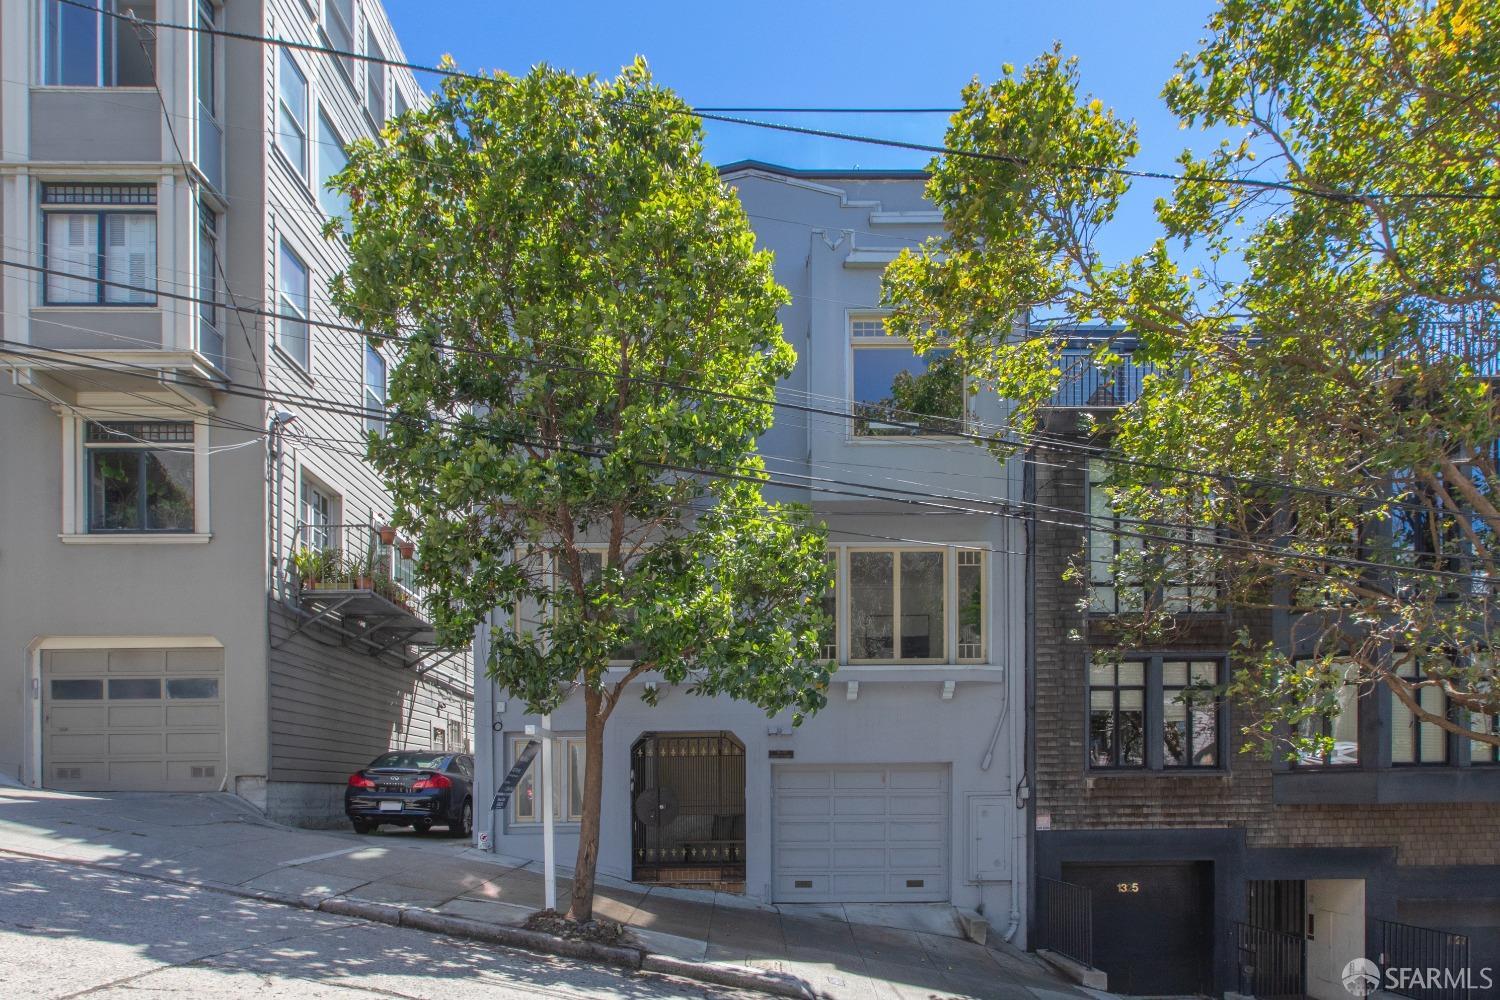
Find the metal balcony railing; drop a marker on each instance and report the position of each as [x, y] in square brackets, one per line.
[329, 559]
[1065, 919]
[1086, 384]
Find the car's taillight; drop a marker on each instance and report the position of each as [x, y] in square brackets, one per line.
[431, 782]
[358, 780]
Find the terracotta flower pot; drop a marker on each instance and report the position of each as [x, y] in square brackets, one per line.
[387, 534]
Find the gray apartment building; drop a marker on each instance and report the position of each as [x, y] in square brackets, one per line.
[1199, 869]
[905, 787]
[165, 457]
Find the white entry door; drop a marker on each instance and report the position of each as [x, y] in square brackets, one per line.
[860, 833]
[1335, 933]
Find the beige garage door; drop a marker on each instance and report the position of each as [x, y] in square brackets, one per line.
[143, 720]
[868, 833]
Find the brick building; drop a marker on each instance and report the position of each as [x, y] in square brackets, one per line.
[1194, 867]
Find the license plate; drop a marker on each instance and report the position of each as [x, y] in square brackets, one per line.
[390, 807]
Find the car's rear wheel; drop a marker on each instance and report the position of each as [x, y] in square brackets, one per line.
[422, 825]
[465, 825]
[363, 826]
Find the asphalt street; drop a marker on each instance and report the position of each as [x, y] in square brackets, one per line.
[71, 931]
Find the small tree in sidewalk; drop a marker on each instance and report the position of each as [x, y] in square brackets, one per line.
[585, 323]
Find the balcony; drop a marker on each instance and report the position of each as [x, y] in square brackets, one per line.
[359, 579]
[1087, 385]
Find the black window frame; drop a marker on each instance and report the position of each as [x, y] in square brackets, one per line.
[143, 450]
[1325, 725]
[1189, 704]
[1153, 722]
[1416, 725]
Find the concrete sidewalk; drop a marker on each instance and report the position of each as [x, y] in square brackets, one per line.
[220, 842]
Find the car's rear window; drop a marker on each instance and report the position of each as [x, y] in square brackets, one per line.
[416, 760]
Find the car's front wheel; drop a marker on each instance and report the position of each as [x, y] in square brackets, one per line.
[465, 825]
[363, 826]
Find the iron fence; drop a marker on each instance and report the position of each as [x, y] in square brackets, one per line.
[1065, 919]
[1270, 963]
[1086, 384]
[1429, 964]
[348, 557]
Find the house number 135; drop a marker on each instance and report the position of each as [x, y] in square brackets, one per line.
[1127, 886]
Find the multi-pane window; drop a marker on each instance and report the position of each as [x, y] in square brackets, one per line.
[828, 637]
[897, 605]
[210, 334]
[85, 45]
[1117, 713]
[971, 612]
[1481, 752]
[291, 116]
[140, 476]
[1414, 741]
[374, 389]
[1118, 562]
[331, 160]
[593, 567]
[898, 392]
[1341, 728]
[1190, 713]
[207, 50]
[99, 244]
[293, 301]
[338, 25]
[374, 79]
[315, 512]
[1157, 712]
[567, 777]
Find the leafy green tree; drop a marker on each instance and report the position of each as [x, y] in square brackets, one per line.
[1318, 310]
[589, 332]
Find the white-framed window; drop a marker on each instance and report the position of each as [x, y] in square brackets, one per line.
[291, 111]
[87, 46]
[332, 159]
[98, 233]
[338, 29]
[316, 507]
[901, 603]
[828, 638]
[567, 775]
[375, 384]
[897, 392]
[399, 105]
[374, 78]
[593, 565]
[293, 303]
[139, 476]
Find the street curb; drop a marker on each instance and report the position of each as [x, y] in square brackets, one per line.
[631, 959]
[737, 976]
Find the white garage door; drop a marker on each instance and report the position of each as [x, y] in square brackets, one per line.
[144, 720]
[867, 833]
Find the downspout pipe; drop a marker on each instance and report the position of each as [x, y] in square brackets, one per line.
[1028, 495]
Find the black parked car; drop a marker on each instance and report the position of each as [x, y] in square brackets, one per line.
[415, 788]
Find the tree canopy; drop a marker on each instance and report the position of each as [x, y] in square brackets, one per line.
[587, 342]
[1317, 311]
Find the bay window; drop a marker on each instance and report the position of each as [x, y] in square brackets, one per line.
[899, 393]
[1341, 729]
[85, 45]
[901, 603]
[567, 777]
[1481, 752]
[97, 233]
[139, 476]
[210, 334]
[1414, 741]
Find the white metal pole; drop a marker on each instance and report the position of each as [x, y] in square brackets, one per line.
[549, 862]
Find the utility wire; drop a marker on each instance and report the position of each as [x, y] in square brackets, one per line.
[1342, 197]
[1175, 534]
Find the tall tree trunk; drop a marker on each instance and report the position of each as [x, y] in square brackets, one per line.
[582, 905]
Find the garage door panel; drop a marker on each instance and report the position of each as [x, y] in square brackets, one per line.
[112, 721]
[859, 805]
[872, 778]
[916, 805]
[136, 744]
[790, 832]
[207, 716]
[136, 715]
[870, 855]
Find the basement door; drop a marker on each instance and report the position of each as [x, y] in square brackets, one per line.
[855, 834]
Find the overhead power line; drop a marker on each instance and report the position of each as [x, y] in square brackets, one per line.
[1343, 197]
[1170, 534]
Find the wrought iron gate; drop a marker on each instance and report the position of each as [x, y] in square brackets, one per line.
[687, 793]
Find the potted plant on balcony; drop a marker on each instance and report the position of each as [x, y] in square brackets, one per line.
[360, 573]
[406, 548]
[387, 533]
[315, 567]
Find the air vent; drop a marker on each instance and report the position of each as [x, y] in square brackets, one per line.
[199, 771]
[915, 883]
[69, 773]
[803, 883]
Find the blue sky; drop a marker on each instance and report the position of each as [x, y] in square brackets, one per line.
[862, 54]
